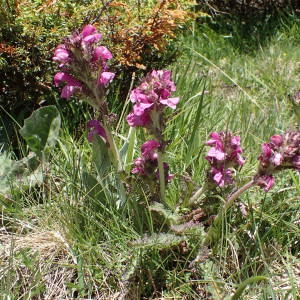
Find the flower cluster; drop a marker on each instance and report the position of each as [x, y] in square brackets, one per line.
[225, 154]
[147, 164]
[282, 152]
[149, 99]
[83, 65]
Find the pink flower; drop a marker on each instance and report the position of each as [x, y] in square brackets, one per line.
[72, 85]
[135, 120]
[88, 30]
[148, 149]
[221, 176]
[266, 153]
[89, 34]
[215, 153]
[105, 78]
[277, 140]
[95, 129]
[61, 54]
[102, 53]
[171, 102]
[225, 153]
[266, 182]
[215, 140]
[139, 167]
[147, 165]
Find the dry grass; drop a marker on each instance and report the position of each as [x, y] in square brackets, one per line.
[38, 263]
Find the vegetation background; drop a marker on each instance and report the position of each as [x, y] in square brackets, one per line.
[236, 67]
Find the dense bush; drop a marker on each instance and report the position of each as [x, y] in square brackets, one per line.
[29, 32]
[248, 8]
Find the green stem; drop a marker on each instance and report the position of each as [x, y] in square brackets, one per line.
[117, 163]
[116, 159]
[162, 183]
[230, 200]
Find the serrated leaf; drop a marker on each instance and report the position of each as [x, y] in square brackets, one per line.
[41, 129]
[168, 215]
[159, 241]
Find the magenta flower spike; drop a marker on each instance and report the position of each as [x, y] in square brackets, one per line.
[224, 154]
[83, 65]
[282, 152]
[151, 97]
[147, 165]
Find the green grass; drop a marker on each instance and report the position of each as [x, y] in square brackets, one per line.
[70, 226]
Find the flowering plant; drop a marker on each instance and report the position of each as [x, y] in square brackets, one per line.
[84, 69]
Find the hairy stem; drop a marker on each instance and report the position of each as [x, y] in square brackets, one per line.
[162, 183]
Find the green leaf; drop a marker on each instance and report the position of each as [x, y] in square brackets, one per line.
[17, 174]
[41, 129]
[167, 214]
[101, 156]
[93, 187]
[127, 150]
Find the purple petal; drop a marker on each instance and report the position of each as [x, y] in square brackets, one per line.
[61, 54]
[140, 108]
[214, 139]
[218, 154]
[266, 182]
[142, 120]
[138, 95]
[105, 78]
[148, 149]
[95, 129]
[139, 166]
[102, 53]
[88, 30]
[277, 140]
[93, 38]
[66, 78]
[277, 159]
[171, 102]
[235, 141]
[72, 85]
[266, 152]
